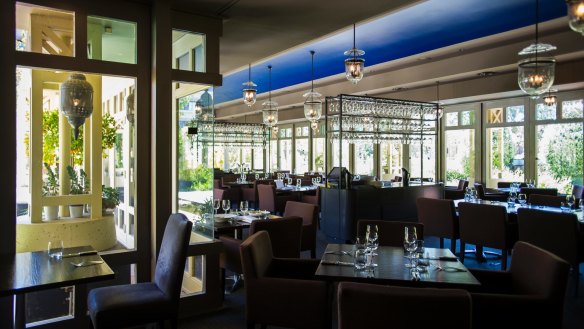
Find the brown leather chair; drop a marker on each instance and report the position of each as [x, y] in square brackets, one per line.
[132, 305]
[391, 233]
[251, 193]
[530, 295]
[486, 225]
[578, 193]
[545, 200]
[457, 192]
[285, 232]
[364, 305]
[281, 291]
[491, 196]
[309, 214]
[268, 200]
[534, 190]
[558, 233]
[440, 219]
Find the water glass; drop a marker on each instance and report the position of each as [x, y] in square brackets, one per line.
[360, 259]
[226, 205]
[570, 200]
[522, 198]
[243, 206]
[55, 249]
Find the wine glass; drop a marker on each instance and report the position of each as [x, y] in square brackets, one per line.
[522, 199]
[372, 237]
[570, 200]
[216, 205]
[410, 238]
[243, 206]
[226, 205]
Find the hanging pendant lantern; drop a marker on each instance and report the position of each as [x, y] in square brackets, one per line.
[536, 74]
[269, 108]
[439, 107]
[313, 102]
[576, 15]
[249, 92]
[550, 100]
[130, 106]
[76, 101]
[354, 65]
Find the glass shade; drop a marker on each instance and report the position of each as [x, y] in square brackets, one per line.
[576, 15]
[354, 67]
[550, 100]
[536, 75]
[314, 125]
[76, 100]
[249, 93]
[270, 113]
[312, 106]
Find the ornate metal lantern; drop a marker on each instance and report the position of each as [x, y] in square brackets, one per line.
[76, 101]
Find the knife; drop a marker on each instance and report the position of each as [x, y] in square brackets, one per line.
[330, 262]
[81, 253]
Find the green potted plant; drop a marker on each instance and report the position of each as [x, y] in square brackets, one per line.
[51, 188]
[110, 198]
[79, 185]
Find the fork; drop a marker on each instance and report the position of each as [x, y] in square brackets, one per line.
[87, 263]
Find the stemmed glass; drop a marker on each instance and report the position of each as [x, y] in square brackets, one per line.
[570, 200]
[410, 244]
[216, 205]
[522, 199]
[372, 241]
[243, 206]
[226, 205]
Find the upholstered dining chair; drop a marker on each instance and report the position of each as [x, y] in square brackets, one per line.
[440, 219]
[486, 225]
[268, 200]
[391, 233]
[285, 232]
[558, 233]
[530, 295]
[457, 192]
[491, 196]
[281, 291]
[545, 200]
[136, 304]
[535, 190]
[309, 214]
[364, 305]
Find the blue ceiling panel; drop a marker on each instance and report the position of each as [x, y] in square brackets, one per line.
[430, 25]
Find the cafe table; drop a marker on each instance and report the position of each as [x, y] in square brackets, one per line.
[34, 271]
[444, 271]
[512, 210]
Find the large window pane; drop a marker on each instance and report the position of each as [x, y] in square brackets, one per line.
[188, 51]
[285, 153]
[44, 30]
[258, 159]
[111, 40]
[364, 159]
[343, 155]
[515, 114]
[301, 156]
[460, 155]
[559, 155]
[391, 160]
[544, 112]
[506, 154]
[573, 109]
[318, 154]
[423, 159]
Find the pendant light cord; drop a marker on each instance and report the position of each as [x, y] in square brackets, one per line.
[312, 74]
[270, 84]
[249, 72]
[354, 42]
[536, 30]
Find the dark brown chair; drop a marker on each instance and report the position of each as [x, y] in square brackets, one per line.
[558, 233]
[364, 305]
[136, 304]
[391, 233]
[309, 214]
[534, 190]
[440, 219]
[231, 194]
[312, 198]
[530, 295]
[486, 225]
[508, 184]
[491, 196]
[285, 232]
[457, 192]
[250, 194]
[546, 200]
[268, 200]
[281, 291]
[578, 191]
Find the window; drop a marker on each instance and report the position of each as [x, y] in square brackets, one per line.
[364, 159]
[188, 51]
[111, 40]
[391, 160]
[301, 149]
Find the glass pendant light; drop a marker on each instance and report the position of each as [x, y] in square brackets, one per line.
[269, 108]
[354, 65]
[76, 101]
[576, 15]
[536, 74]
[439, 107]
[249, 92]
[550, 99]
[313, 103]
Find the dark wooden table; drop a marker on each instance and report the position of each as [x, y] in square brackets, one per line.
[391, 269]
[34, 271]
[512, 211]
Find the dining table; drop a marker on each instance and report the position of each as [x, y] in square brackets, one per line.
[26, 272]
[444, 270]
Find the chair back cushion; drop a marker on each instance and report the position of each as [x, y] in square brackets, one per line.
[391, 233]
[266, 197]
[308, 212]
[546, 200]
[578, 191]
[555, 232]
[484, 224]
[363, 305]
[172, 256]
[285, 234]
[536, 271]
[438, 216]
[462, 184]
[256, 256]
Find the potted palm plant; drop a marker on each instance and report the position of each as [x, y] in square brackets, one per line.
[79, 185]
[110, 198]
[51, 188]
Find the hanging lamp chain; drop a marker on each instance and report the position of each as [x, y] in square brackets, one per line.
[249, 72]
[312, 73]
[536, 29]
[270, 84]
[354, 42]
